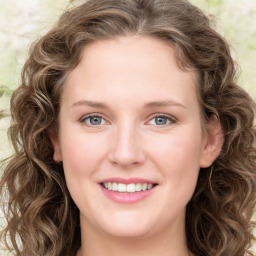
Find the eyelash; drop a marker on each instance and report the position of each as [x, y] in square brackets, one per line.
[83, 120]
[171, 119]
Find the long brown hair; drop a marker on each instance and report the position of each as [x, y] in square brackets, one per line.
[41, 217]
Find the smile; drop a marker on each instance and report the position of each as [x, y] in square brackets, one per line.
[127, 191]
[130, 188]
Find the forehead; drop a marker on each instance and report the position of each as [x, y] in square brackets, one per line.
[138, 51]
[132, 66]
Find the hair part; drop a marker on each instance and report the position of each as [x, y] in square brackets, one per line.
[40, 210]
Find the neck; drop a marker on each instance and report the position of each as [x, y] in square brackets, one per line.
[164, 243]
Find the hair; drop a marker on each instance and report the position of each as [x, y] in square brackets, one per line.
[42, 218]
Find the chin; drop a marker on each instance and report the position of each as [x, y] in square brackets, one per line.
[132, 232]
[128, 227]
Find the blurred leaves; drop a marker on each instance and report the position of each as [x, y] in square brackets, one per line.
[214, 2]
[3, 113]
[5, 90]
[5, 94]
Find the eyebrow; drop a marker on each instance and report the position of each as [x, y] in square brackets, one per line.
[90, 103]
[162, 103]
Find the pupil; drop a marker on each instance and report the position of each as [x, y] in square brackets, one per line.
[95, 120]
[161, 120]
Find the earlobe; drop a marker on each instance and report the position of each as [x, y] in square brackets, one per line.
[213, 143]
[57, 156]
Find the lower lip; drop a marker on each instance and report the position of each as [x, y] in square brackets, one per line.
[127, 198]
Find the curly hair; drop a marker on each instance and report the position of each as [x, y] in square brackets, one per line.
[42, 219]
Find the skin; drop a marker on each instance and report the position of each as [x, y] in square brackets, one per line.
[126, 74]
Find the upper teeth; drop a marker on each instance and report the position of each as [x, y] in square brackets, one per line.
[132, 187]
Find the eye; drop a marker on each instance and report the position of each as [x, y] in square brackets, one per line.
[162, 120]
[94, 120]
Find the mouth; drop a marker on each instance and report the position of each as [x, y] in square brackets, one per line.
[127, 188]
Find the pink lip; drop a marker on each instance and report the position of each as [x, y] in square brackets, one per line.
[127, 198]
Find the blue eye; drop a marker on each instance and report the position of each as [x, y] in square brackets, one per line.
[94, 120]
[161, 120]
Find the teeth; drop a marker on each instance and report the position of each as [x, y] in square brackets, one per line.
[121, 187]
[138, 187]
[144, 186]
[130, 188]
[114, 187]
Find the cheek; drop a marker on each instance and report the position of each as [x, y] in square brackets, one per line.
[178, 157]
[177, 150]
[82, 154]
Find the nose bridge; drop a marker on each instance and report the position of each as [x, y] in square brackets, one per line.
[127, 148]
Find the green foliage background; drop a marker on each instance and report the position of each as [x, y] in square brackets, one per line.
[23, 21]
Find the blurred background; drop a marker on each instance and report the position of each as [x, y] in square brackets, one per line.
[23, 21]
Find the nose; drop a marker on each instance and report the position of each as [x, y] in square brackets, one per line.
[126, 147]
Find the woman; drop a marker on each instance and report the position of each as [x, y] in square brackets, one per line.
[131, 136]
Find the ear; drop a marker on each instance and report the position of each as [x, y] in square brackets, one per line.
[57, 156]
[213, 142]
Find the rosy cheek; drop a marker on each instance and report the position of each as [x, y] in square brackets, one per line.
[176, 153]
[82, 154]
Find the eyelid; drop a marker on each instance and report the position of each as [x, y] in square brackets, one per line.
[172, 119]
[83, 118]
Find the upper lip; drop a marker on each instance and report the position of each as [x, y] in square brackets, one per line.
[127, 180]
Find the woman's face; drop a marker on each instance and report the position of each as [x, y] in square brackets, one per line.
[130, 118]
